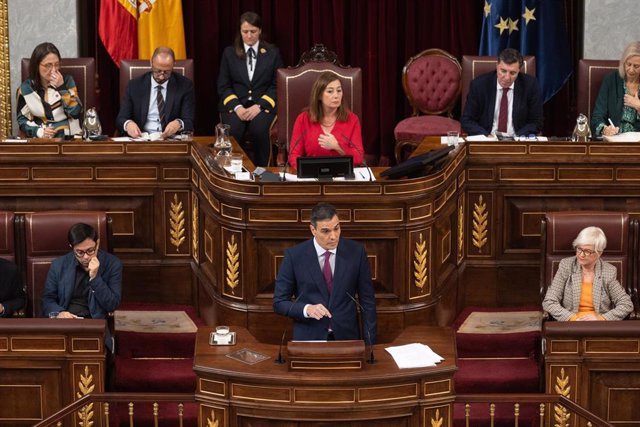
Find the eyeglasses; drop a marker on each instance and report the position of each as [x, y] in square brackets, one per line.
[80, 253]
[584, 252]
[50, 65]
[161, 72]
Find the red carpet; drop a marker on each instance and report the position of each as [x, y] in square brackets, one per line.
[497, 363]
[147, 362]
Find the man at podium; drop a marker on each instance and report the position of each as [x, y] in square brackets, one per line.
[325, 274]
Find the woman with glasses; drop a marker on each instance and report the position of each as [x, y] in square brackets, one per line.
[585, 287]
[247, 86]
[48, 105]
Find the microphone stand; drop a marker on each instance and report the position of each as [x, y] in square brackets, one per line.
[280, 359]
[364, 161]
[287, 152]
[371, 360]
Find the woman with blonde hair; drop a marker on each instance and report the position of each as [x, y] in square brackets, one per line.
[617, 108]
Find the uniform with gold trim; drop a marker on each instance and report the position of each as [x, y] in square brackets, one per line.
[235, 88]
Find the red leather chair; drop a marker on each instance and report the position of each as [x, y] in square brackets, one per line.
[83, 71]
[591, 72]
[474, 66]
[431, 81]
[294, 87]
[46, 239]
[559, 230]
[7, 241]
[132, 68]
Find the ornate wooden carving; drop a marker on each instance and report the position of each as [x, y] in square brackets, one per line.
[318, 53]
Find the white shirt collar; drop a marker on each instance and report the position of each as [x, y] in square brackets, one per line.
[320, 250]
[513, 85]
[255, 47]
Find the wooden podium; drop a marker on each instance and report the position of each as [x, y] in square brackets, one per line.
[330, 355]
[232, 393]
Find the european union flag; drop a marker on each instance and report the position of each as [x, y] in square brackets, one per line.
[534, 27]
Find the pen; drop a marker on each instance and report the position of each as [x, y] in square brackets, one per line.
[611, 123]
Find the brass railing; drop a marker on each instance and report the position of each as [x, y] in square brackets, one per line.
[554, 410]
[97, 406]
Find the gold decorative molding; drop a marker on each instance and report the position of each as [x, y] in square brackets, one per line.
[233, 264]
[437, 421]
[212, 421]
[480, 224]
[176, 223]
[194, 227]
[85, 386]
[563, 388]
[5, 71]
[420, 263]
[460, 239]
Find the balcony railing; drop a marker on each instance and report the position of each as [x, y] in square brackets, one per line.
[554, 410]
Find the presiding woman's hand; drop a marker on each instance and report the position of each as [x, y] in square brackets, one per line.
[632, 101]
[329, 142]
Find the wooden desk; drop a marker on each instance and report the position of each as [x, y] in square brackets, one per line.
[237, 394]
[45, 364]
[597, 365]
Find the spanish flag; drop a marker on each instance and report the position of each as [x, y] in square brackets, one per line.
[132, 29]
[160, 24]
[118, 28]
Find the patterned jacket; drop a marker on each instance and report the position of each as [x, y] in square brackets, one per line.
[609, 297]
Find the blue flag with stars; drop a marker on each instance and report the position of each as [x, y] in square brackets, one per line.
[534, 27]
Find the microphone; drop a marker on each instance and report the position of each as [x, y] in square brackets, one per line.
[295, 145]
[371, 359]
[280, 360]
[364, 161]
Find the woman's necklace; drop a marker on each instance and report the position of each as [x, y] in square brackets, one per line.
[328, 124]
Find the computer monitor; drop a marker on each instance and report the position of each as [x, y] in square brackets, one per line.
[416, 164]
[325, 167]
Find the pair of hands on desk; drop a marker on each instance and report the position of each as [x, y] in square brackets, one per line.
[134, 131]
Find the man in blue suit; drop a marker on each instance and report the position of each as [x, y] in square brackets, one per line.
[158, 101]
[86, 282]
[519, 93]
[325, 285]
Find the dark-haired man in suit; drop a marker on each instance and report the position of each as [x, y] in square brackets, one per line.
[158, 101]
[324, 274]
[504, 101]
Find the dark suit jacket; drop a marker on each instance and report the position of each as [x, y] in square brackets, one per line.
[105, 289]
[477, 118]
[234, 86]
[300, 275]
[178, 105]
[12, 295]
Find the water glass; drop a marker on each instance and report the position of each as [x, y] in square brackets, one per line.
[452, 137]
[235, 163]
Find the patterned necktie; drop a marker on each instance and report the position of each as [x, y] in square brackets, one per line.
[326, 271]
[504, 111]
[160, 102]
[251, 54]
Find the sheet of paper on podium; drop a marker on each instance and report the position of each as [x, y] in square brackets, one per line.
[414, 355]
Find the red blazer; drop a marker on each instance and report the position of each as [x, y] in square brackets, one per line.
[304, 139]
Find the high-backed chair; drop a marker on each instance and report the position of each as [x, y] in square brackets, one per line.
[294, 87]
[83, 71]
[474, 66]
[559, 230]
[591, 72]
[132, 68]
[7, 242]
[46, 239]
[431, 82]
